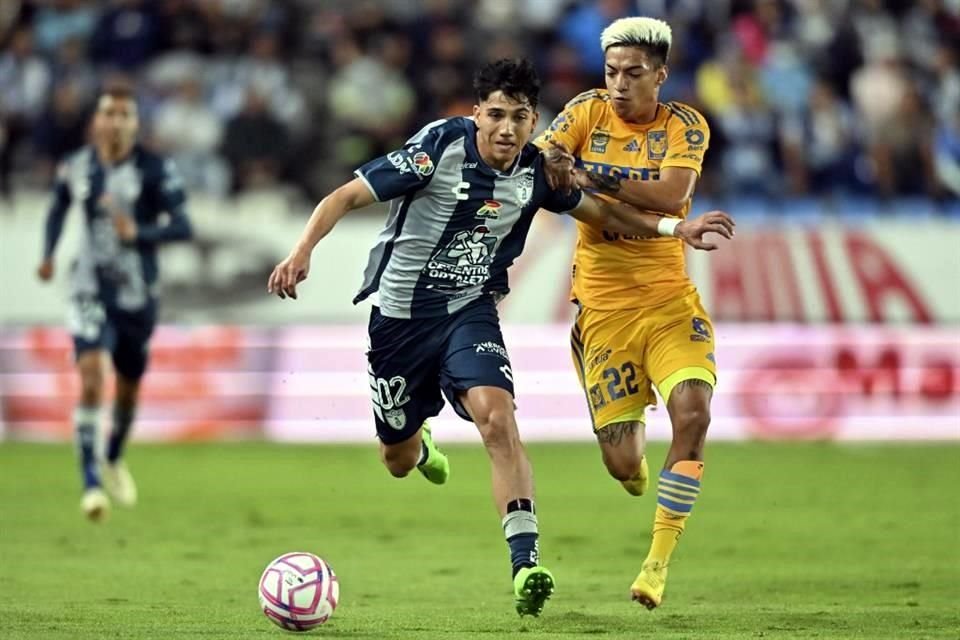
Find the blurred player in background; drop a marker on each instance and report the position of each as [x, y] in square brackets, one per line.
[132, 201]
[640, 321]
[462, 193]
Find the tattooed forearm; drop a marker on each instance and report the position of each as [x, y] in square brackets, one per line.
[692, 384]
[604, 184]
[616, 432]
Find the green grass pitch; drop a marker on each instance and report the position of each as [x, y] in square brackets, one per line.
[787, 541]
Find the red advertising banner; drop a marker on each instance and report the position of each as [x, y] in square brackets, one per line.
[203, 383]
[310, 384]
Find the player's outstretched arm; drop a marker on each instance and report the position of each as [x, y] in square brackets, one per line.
[622, 218]
[54, 225]
[296, 266]
[669, 194]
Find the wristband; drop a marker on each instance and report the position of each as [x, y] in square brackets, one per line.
[666, 226]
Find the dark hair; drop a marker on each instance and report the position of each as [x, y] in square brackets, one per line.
[517, 78]
[118, 91]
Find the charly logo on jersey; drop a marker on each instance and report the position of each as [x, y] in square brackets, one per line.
[599, 140]
[657, 144]
[525, 184]
[490, 209]
[464, 261]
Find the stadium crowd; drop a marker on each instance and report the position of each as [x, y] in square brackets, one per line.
[804, 97]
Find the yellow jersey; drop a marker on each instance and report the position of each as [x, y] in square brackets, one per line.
[613, 271]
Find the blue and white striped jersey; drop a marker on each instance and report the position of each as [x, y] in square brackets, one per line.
[455, 224]
[144, 185]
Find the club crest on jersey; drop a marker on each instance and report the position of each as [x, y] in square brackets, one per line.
[423, 163]
[396, 418]
[490, 209]
[599, 141]
[525, 188]
[657, 144]
[597, 401]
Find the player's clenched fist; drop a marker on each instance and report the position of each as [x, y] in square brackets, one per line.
[692, 231]
[286, 275]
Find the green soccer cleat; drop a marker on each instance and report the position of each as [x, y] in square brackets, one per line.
[436, 468]
[532, 587]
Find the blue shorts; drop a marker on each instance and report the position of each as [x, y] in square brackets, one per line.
[125, 334]
[412, 361]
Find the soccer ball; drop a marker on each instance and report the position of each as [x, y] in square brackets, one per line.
[298, 591]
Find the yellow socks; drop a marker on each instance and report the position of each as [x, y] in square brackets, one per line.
[676, 493]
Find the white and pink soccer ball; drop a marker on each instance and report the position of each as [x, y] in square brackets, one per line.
[298, 591]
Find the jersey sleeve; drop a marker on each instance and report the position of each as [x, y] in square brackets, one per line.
[57, 212]
[570, 128]
[688, 137]
[172, 200]
[407, 169]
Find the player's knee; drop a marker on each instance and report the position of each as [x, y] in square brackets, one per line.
[498, 430]
[692, 421]
[399, 460]
[91, 385]
[623, 467]
[690, 433]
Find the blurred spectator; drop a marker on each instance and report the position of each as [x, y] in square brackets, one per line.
[127, 34]
[342, 82]
[61, 20]
[894, 123]
[582, 27]
[370, 99]
[749, 128]
[263, 71]
[947, 153]
[70, 64]
[819, 147]
[188, 130]
[255, 144]
[24, 84]
[62, 128]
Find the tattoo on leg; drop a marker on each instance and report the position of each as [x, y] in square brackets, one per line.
[685, 384]
[615, 433]
[604, 184]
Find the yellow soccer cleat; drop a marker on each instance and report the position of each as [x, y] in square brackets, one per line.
[648, 588]
[637, 485]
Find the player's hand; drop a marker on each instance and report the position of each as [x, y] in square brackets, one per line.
[45, 270]
[125, 226]
[692, 231]
[288, 274]
[558, 163]
[123, 222]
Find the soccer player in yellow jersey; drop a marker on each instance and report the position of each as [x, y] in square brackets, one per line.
[640, 322]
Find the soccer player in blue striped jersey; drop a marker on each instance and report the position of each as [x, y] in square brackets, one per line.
[462, 194]
[132, 201]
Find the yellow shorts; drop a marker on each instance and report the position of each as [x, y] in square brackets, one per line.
[620, 355]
